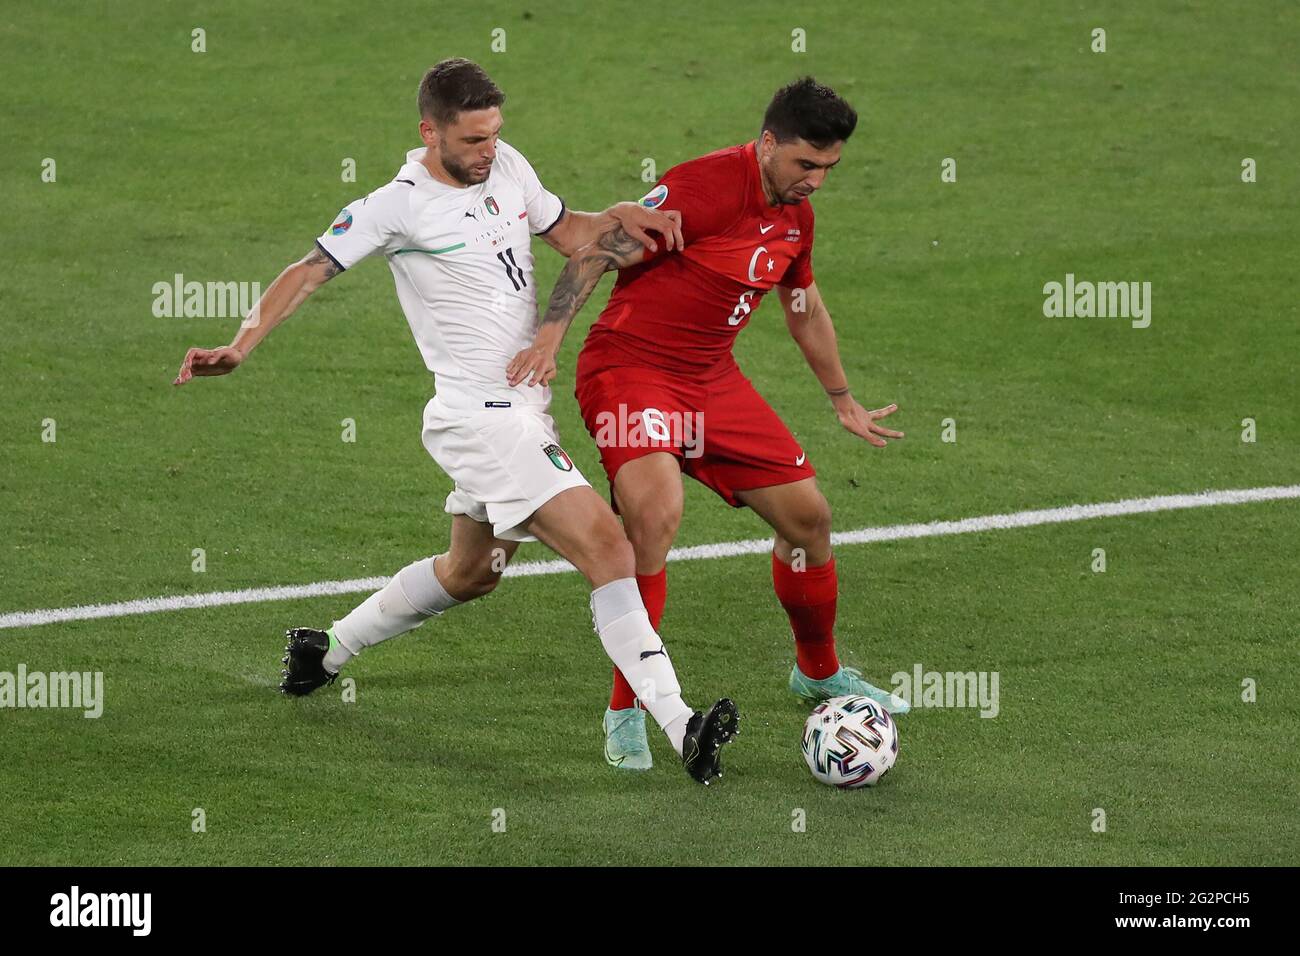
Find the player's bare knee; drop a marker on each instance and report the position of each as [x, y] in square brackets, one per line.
[810, 527]
[822, 523]
[484, 583]
[462, 580]
[612, 553]
[654, 526]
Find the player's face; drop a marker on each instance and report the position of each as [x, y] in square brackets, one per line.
[467, 147]
[797, 169]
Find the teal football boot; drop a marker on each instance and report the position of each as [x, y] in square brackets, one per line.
[845, 681]
[625, 745]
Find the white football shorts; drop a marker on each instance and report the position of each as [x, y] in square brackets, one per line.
[506, 462]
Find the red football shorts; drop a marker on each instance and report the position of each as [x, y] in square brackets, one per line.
[722, 432]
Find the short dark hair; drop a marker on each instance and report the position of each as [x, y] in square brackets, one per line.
[809, 111]
[455, 86]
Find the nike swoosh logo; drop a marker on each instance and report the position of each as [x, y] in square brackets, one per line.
[766, 229]
[799, 461]
[645, 654]
[610, 759]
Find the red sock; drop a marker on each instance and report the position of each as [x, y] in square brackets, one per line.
[654, 593]
[809, 596]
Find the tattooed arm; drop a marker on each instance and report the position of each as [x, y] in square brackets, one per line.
[576, 229]
[281, 298]
[614, 249]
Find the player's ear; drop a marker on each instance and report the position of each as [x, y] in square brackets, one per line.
[429, 134]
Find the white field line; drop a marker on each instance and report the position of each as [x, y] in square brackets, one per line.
[726, 549]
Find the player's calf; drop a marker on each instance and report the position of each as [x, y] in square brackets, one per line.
[580, 527]
[414, 594]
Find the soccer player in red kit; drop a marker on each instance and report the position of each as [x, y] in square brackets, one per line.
[661, 392]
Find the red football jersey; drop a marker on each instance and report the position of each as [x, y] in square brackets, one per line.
[680, 311]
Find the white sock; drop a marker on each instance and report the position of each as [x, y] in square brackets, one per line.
[411, 596]
[624, 627]
[676, 729]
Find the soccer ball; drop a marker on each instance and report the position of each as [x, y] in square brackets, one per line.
[850, 742]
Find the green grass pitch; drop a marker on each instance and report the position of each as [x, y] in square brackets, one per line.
[1119, 690]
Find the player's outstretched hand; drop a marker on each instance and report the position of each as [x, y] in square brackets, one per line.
[863, 423]
[640, 221]
[535, 365]
[219, 361]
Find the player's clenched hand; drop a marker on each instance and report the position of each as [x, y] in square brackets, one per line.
[863, 423]
[639, 221]
[220, 361]
[535, 365]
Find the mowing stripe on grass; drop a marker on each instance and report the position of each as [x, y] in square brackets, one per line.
[726, 549]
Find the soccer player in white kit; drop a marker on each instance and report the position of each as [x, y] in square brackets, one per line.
[455, 226]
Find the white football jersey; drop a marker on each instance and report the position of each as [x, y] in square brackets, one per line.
[462, 262]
